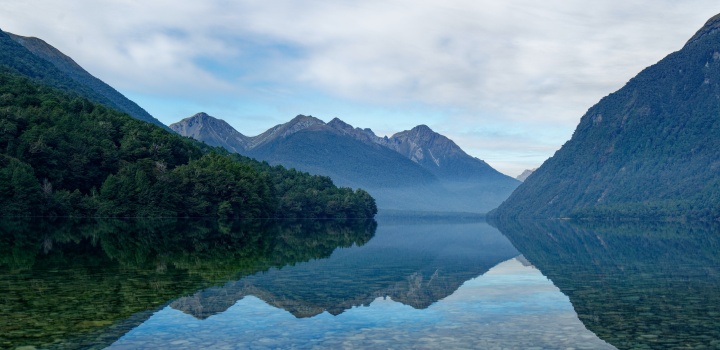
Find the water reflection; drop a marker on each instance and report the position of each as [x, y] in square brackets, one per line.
[434, 285]
[263, 284]
[413, 264]
[83, 284]
[511, 306]
[636, 285]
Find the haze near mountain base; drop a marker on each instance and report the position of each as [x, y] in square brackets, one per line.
[417, 169]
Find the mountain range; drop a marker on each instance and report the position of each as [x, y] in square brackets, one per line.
[648, 150]
[417, 169]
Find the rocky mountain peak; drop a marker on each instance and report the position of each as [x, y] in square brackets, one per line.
[422, 144]
[200, 117]
[308, 119]
[300, 122]
[339, 124]
[422, 129]
[213, 131]
[365, 135]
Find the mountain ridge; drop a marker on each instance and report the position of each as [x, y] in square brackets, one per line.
[417, 160]
[80, 81]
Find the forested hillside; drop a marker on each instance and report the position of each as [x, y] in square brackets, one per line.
[48, 66]
[649, 150]
[61, 154]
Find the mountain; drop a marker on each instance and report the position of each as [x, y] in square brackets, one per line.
[434, 152]
[525, 174]
[650, 149]
[412, 170]
[36, 59]
[214, 132]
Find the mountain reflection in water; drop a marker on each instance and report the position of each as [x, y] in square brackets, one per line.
[430, 285]
[413, 264]
[635, 284]
[72, 284]
[82, 284]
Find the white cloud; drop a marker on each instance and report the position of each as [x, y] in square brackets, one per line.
[516, 63]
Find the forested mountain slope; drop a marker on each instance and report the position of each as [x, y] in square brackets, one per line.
[36, 59]
[649, 150]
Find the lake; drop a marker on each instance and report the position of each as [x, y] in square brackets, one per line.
[390, 283]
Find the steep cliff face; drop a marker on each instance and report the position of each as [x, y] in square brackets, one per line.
[651, 149]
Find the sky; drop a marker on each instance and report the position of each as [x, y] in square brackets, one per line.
[506, 80]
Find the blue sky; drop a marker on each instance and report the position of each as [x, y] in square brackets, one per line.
[507, 80]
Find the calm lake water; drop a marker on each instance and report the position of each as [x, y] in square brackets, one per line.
[189, 284]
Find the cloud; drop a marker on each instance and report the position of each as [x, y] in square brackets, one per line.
[464, 64]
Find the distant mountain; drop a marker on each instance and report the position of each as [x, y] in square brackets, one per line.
[434, 152]
[525, 174]
[650, 150]
[214, 132]
[412, 170]
[36, 59]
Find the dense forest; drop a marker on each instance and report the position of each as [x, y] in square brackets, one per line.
[64, 155]
[650, 150]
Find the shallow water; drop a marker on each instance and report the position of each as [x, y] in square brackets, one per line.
[358, 284]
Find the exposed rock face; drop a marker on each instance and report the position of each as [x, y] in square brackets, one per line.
[299, 123]
[419, 143]
[215, 132]
[364, 135]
